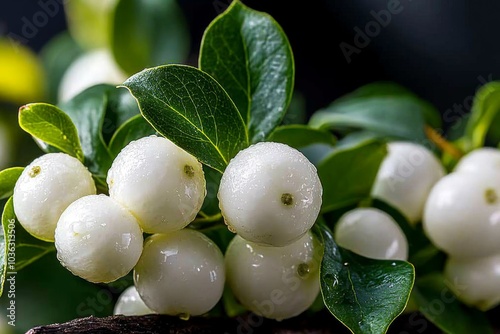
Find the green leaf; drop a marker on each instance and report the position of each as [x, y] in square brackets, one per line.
[484, 110]
[149, 33]
[8, 179]
[211, 203]
[440, 306]
[388, 89]
[52, 126]
[57, 55]
[248, 53]
[191, 109]
[18, 245]
[366, 295]
[299, 136]
[135, 128]
[399, 117]
[88, 111]
[347, 174]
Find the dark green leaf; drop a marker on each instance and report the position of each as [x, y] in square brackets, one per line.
[484, 110]
[8, 179]
[121, 106]
[135, 128]
[299, 136]
[149, 33]
[400, 117]
[52, 126]
[347, 175]
[23, 248]
[388, 89]
[211, 204]
[366, 295]
[191, 109]
[88, 111]
[248, 53]
[57, 55]
[440, 306]
[297, 112]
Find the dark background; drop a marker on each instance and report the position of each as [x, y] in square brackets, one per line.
[441, 50]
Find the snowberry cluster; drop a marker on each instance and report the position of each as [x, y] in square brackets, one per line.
[270, 195]
[462, 218]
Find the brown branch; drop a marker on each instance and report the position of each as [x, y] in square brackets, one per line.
[442, 143]
[318, 323]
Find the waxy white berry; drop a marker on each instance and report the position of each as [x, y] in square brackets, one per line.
[270, 194]
[130, 303]
[406, 177]
[478, 160]
[180, 273]
[275, 282]
[46, 188]
[160, 183]
[462, 214]
[98, 240]
[372, 233]
[475, 281]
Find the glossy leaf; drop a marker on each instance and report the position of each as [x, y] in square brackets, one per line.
[399, 117]
[248, 53]
[299, 136]
[52, 126]
[149, 33]
[366, 295]
[347, 174]
[191, 109]
[23, 248]
[440, 306]
[135, 128]
[88, 112]
[484, 111]
[8, 179]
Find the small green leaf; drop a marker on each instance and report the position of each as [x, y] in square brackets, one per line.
[135, 128]
[149, 33]
[52, 126]
[88, 111]
[8, 179]
[366, 295]
[439, 305]
[347, 174]
[484, 110]
[399, 117]
[18, 248]
[191, 109]
[248, 53]
[299, 136]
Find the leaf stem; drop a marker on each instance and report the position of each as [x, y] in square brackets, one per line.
[442, 143]
[208, 219]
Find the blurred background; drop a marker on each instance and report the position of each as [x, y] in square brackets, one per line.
[52, 49]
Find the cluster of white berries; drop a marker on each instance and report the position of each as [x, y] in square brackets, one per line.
[270, 195]
[404, 180]
[462, 218]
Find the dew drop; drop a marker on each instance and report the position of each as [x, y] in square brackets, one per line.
[65, 137]
[346, 264]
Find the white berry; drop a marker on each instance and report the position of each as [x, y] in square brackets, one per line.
[98, 240]
[406, 177]
[462, 214]
[160, 183]
[478, 160]
[46, 188]
[180, 273]
[275, 282]
[270, 194]
[475, 281]
[130, 303]
[371, 233]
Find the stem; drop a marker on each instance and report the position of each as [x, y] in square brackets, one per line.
[208, 219]
[442, 143]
